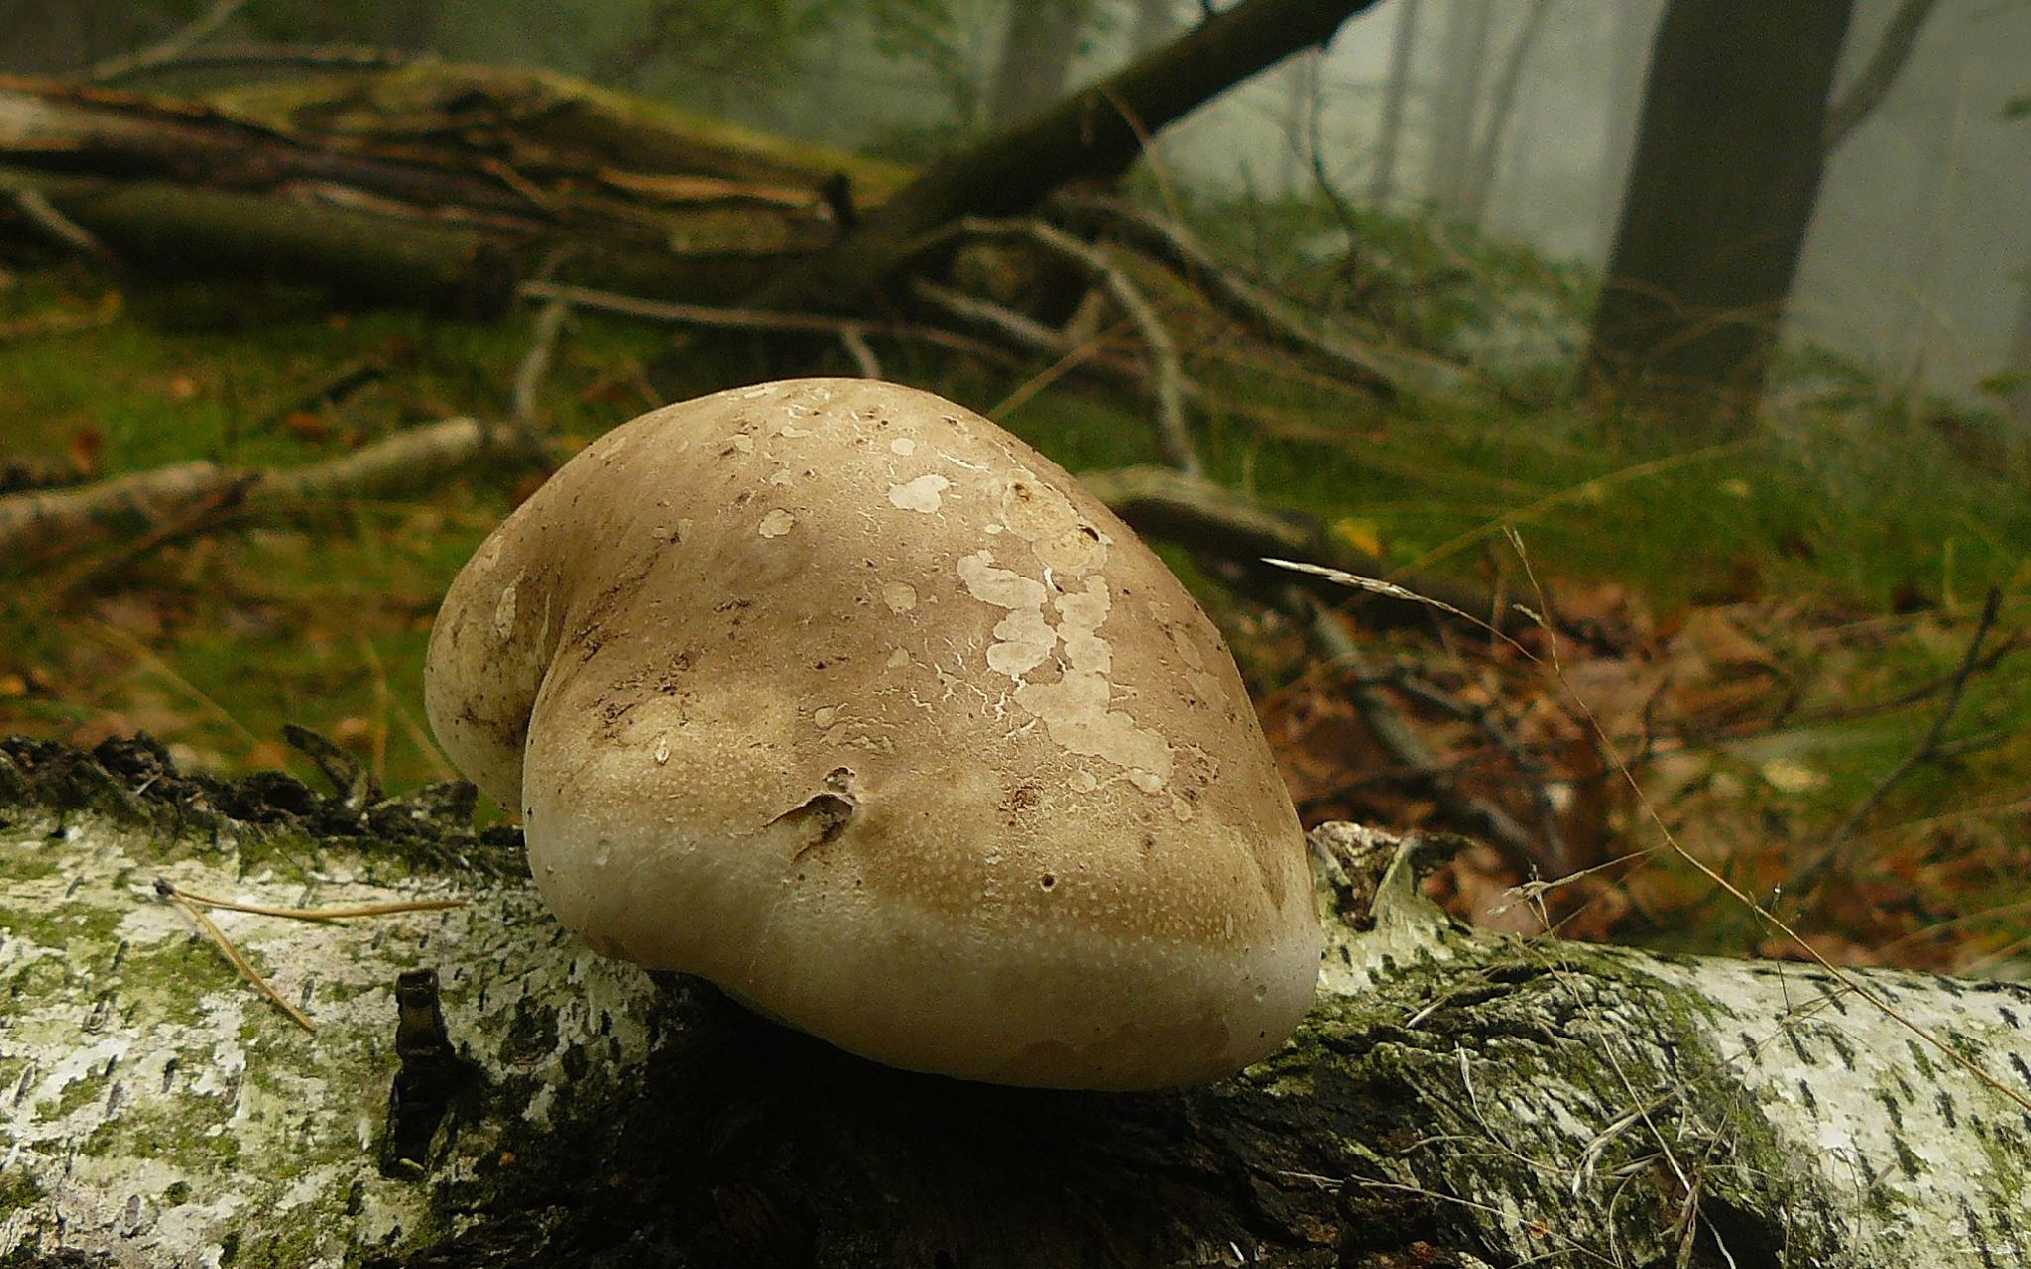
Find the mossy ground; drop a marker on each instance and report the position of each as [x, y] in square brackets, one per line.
[1851, 502]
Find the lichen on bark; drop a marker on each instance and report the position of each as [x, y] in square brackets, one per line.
[1486, 1099]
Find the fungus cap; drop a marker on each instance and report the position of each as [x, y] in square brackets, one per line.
[836, 694]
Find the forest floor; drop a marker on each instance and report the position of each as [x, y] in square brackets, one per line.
[1781, 640]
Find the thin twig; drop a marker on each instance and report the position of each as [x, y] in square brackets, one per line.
[1873, 84]
[169, 889]
[1401, 741]
[1928, 749]
[271, 57]
[1342, 210]
[1027, 333]
[1925, 691]
[225, 945]
[169, 49]
[1484, 718]
[1018, 328]
[753, 318]
[1847, 980]
[1174, 437]
[856, 345]
[1227, 291]
[57, 227]
[536, 364]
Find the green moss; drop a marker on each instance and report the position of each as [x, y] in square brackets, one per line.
[17, 1190]
[22, 861]
[155, 1132]
[79, 1092]
[58, 927]
[176, 977]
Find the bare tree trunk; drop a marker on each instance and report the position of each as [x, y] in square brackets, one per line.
[1389, 136]
[1487, 159]
[483, 1090]
[1728, 161]
[1465, 54]
[1629, 41]
[1038, 43]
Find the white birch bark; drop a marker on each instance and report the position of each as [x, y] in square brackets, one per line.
[1495, 1100]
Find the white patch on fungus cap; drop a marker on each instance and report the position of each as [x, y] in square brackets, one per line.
[972, 789]
[925, 493]
[899, 596]
[504, 611]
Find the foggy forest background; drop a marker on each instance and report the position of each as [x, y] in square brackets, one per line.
[1916, 262]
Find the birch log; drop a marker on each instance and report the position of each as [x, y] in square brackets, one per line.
[1455, 1098]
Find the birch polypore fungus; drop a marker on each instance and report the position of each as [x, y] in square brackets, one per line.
[836, 694]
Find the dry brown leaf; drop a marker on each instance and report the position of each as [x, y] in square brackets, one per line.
[87, 446]
[1720, 642]
[305, 426]
[266, 755]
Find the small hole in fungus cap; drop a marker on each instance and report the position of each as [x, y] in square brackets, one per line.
[1048, 880]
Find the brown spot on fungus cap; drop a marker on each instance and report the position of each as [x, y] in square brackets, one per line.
[922, 753]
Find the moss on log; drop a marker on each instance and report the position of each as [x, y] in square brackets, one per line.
[1453, 1098]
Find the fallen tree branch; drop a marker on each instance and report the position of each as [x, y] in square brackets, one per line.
[722, 318]
[1167, 376]
[1093, 134]
[166, 228]
[429, 169]
[1256, 308]
[33, 524]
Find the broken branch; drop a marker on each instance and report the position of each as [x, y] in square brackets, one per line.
[1256, 308]
[1174, 437]
[42, 522]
